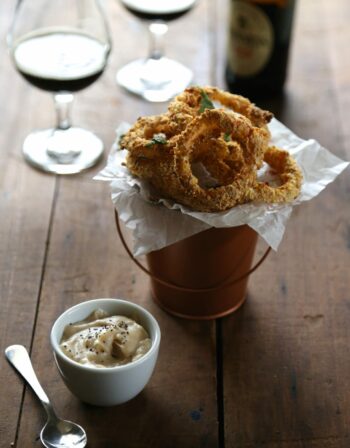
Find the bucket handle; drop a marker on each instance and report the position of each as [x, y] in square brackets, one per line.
[224, 283]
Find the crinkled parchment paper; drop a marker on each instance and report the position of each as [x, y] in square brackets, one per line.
[156, 223]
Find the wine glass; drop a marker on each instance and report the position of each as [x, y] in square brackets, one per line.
[156, 78]
[60, 46]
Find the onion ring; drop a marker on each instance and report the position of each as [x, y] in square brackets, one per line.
[289, 174]
[187, 105]
[193, 146]
[228, 144]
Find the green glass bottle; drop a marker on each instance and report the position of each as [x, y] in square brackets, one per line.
[258, 45]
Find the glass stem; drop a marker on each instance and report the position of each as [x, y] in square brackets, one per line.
[58, 147]
[63, 103]
[157, 31]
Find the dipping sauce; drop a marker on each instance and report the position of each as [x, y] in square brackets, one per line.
[101, 340]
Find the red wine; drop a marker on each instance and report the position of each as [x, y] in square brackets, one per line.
[59, 61]
[158, 9]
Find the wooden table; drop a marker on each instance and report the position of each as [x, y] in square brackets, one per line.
[276, 374]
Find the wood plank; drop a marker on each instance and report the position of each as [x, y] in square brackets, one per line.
[337, 17]
[81, 266]
[25, 209]
[86, 260]
[23, 232]
[285, 365]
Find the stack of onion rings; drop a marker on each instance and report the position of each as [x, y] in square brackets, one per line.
[230, 142]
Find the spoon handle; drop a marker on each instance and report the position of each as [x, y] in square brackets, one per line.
[18, 357]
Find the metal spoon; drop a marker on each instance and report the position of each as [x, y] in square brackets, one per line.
[56, 433]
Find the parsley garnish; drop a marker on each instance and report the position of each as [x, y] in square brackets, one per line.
[120, 141]
[227, 137]
[205, 103]
[157, 139]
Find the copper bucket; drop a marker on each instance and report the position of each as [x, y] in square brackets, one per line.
[204, 276]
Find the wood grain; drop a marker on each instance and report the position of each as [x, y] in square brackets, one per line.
[86, 260]
[25, 209]
[284, 360]
[282, 363]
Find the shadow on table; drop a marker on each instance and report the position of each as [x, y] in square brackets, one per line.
[274, 393]
[149, 420]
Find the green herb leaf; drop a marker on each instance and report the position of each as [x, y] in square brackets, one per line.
[205, 103]
[157, 139]
[120, 141]
[227, 137]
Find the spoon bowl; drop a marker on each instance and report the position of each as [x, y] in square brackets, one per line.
[56, 433]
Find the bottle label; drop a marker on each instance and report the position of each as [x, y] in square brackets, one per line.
[251, 39]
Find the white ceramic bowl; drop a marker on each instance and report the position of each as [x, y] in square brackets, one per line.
[111, 385]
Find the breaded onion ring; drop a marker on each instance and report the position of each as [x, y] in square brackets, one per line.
[189, 104]
[140, 138]
[228, 145]
[289, 175]
[194, 145]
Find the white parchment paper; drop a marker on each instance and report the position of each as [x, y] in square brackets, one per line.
[156, 222]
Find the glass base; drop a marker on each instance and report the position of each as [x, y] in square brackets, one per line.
[156, 80]
[62, 151]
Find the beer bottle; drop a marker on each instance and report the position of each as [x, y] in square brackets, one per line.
[258, 46]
